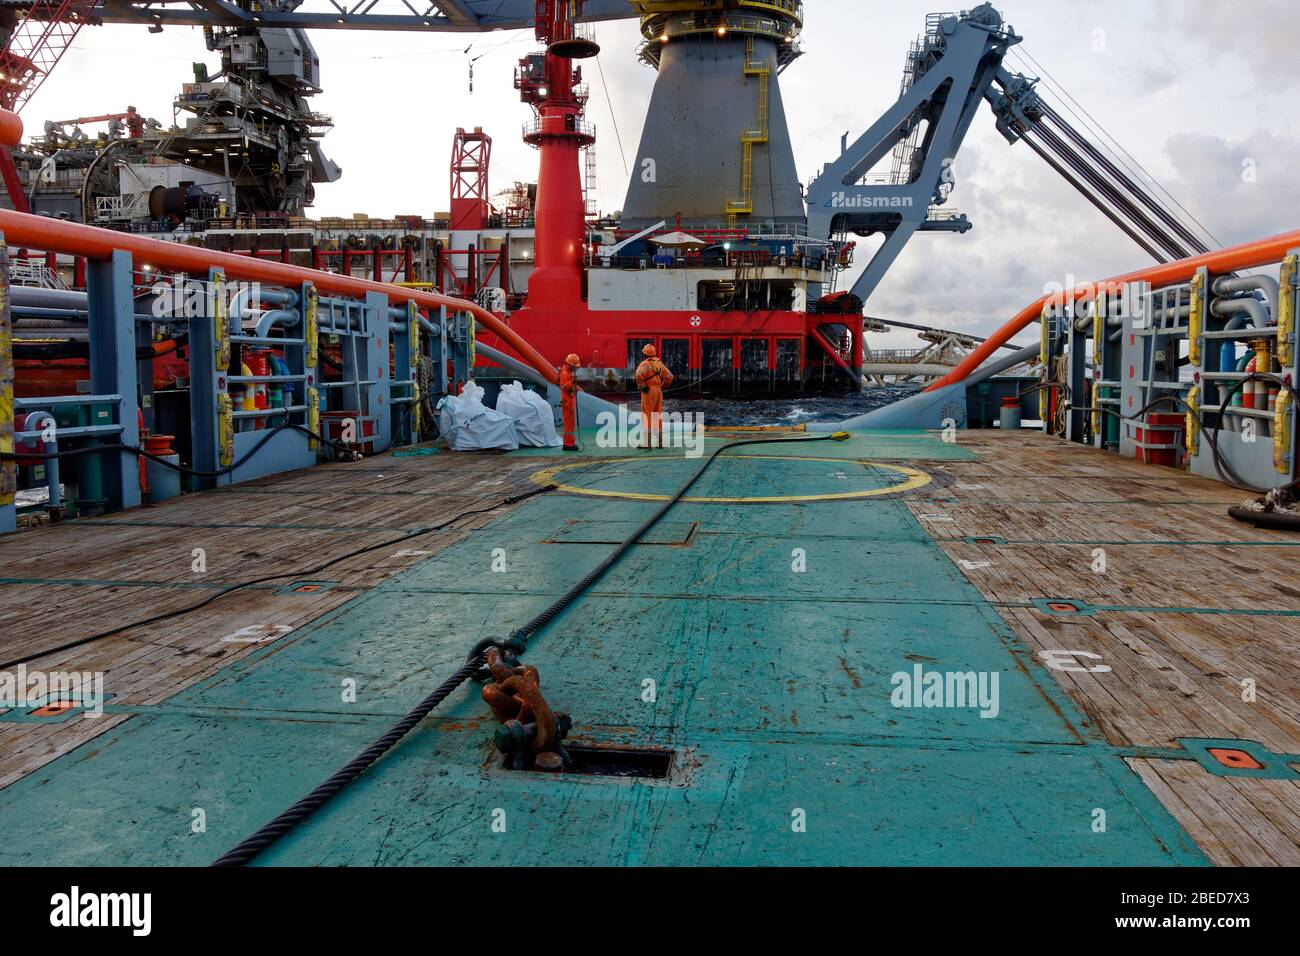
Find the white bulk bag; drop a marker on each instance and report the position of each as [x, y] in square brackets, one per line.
[469, 425]
[533, 416]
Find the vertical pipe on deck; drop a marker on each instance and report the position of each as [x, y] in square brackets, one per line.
[111, 324]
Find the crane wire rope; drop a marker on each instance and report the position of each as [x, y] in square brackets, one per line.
[1130, 161]
[622, 153]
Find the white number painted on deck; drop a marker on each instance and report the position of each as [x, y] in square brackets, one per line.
[257, 634]
[1069, 661]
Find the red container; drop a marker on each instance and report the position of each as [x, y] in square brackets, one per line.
[334, 423]
[1161, 440]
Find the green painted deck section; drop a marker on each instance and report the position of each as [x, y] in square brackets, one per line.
[773, 689]
[901, 445]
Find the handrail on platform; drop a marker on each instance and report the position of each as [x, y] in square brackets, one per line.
[1251, 255]
[72, 238]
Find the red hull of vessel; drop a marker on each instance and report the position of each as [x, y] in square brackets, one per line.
[612, 340]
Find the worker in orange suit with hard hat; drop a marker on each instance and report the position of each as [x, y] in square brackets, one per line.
[569, 401]
[652, 377]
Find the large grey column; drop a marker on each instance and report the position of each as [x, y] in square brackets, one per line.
[702, 102]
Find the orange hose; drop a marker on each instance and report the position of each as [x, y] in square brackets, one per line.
[1248, 256]
[73, 238]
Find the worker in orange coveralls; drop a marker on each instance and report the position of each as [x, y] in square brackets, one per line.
[569, 401]
[652, 377]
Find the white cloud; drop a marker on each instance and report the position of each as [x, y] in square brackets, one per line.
[1259, 33]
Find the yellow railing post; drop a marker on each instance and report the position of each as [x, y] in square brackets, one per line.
[311, 357]
[8, 470]
[413, 366]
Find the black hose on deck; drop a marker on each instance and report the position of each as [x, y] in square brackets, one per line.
[280, 576]
[1268, 520]
[517, 643]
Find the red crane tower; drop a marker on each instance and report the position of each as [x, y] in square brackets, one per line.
[32, 47]
[471, 156]
[551, 84]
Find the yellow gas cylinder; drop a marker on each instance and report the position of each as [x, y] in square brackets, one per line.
[1263, 365]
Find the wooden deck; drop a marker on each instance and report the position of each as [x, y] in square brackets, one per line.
[1187, 606]
[62, 583]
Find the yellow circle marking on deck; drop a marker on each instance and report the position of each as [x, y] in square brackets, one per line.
[912, 479]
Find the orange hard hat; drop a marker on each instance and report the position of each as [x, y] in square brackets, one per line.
[572, 360]
[648, 351]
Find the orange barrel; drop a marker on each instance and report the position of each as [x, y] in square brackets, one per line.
[1009, 413]
[163, 482]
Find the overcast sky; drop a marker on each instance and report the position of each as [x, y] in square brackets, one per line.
[1193, 89]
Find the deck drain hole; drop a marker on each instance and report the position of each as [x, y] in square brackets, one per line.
[591, 760]
[620, 762]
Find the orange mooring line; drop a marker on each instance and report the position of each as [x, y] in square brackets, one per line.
[72, 238]
[1248, 256]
